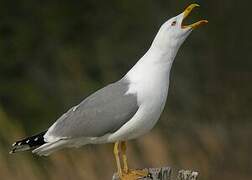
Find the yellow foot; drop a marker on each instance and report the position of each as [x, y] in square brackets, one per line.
[134, 175]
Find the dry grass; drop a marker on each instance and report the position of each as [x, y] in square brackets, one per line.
[215, 151]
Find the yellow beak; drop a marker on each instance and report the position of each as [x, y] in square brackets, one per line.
[186, 12]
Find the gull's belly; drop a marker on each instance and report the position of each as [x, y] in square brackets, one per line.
[145, 118]
[150, 83]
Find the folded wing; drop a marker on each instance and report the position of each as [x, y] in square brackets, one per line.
[103, 112]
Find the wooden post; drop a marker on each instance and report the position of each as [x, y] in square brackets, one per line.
[164, 173]
[187, 175]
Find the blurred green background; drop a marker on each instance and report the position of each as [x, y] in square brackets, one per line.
[55, 53]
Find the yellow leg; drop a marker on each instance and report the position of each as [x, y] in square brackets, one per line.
[127, 173]
[124, 157]
[118, 163]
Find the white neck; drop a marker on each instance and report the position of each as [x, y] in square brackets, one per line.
[162, 51]
[158, 59]
[149, 80]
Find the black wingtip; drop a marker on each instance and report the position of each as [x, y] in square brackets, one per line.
[28, 143]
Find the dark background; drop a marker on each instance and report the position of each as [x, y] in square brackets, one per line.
[55, 53]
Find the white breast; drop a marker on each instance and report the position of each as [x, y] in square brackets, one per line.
[150, 81]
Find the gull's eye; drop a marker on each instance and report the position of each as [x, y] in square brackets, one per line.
[173, 23]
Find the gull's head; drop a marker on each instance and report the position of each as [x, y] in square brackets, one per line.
[173, 32]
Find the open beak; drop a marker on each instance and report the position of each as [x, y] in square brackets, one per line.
[186, 12]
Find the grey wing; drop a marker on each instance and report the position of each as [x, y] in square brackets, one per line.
[103, 112]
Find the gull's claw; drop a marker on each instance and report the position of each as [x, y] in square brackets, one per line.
[135, 175]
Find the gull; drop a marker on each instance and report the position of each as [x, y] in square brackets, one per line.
[122, 110]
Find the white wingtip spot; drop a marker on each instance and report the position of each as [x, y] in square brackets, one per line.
[19, 143]
[28, 141]
[36, 139]
[14, 144]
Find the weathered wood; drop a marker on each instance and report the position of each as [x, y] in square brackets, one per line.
[187, 175]
[163, 173]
